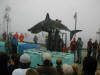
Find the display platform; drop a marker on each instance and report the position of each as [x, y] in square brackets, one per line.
[21, 47]
[36, 57]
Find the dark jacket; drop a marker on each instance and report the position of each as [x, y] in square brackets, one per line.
[14, 41]
[79, 45]
[59, 70]
[47, 70]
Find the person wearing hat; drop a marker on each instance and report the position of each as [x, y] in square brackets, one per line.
[47, 68]
[24, 65]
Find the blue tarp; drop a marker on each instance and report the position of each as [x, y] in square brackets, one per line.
[21, 47]
[28, 46]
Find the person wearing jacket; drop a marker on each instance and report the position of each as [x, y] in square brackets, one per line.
[95, 46]
[79, 46]
[89, 47]
[14, 44]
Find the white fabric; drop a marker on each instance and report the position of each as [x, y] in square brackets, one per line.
[19, 71]
[25, 58]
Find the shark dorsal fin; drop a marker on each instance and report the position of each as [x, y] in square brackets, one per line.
[47, 16]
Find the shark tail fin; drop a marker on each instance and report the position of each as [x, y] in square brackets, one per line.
[73, 32]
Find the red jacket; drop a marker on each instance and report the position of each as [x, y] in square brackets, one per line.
[73, 45]
[89, 43]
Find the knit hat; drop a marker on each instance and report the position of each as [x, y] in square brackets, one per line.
[25, 58]
[46, 56]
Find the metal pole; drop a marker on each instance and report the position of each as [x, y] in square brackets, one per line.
[7, 28]
[75, 17]
[7, 20]
[75, 23]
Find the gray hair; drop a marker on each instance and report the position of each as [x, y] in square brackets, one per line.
[67, 69]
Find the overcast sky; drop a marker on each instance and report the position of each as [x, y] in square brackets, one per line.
[26, 13]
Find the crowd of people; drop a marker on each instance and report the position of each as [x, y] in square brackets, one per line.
[93, 49]
[11, 42]
[20, 65]
[18, 37]
[16, 64]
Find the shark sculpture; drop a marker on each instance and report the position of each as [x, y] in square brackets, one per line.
[49, 24]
